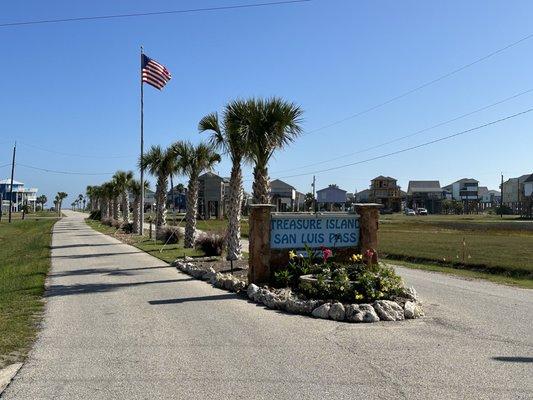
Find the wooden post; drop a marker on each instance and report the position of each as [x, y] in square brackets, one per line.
[259, 250]
[369, 225]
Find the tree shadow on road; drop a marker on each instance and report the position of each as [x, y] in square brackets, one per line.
[77, 256]
[90, 288]
[514, 359]
[69, 246]
[199, 298]
[105, 271]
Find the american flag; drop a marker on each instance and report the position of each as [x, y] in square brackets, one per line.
[154, 73]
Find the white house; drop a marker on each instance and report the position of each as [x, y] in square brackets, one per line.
[330, 196]
[284, 196]
[21, 196]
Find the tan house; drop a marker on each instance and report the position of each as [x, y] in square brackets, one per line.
[385, 190]
[513, 191]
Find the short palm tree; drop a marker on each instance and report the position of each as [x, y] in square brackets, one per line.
[42, 199]
[160, 163]
[135, 188]
[227, 136]
[122, 181]
[60, 197]
[192, 161]
[80, 199]
[269, 125]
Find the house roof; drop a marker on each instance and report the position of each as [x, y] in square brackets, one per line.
[423, 187]
[463, 180]
[381, 177]
[331, 187]
[530, 179]
[281, 183]
[7, 181]
[482, 190]
[210, 174]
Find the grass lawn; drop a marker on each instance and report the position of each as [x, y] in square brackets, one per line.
[167, 253]
[491, 245]
[25, 263]
[38, 214]
[214, 225]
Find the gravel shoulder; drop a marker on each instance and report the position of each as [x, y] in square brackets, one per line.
[121, 324]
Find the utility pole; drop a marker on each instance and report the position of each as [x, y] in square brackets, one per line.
[314, 198]
[501, 199]
[11, 186]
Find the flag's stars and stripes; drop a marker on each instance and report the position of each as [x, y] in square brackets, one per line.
[153, 73]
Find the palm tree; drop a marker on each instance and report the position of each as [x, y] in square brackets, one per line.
[122, 181]
[60, 197]
[42, 199]
[227, 137]
[160, 163]
[135, 188]
[268, 124]
[80, 199]
[192, 161]
[106, 193]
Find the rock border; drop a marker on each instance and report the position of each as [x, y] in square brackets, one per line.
[408, 306]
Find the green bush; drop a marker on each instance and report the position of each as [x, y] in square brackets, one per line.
[96, 215]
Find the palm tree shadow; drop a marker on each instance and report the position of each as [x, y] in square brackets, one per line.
[91, 288]
[191, 299]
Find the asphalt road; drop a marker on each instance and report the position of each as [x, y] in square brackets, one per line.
[121, 324]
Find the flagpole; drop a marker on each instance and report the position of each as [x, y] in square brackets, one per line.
[142, 146]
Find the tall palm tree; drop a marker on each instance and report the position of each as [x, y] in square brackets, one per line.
[160, 163]
[135, 188]
[227, 137]
[106, 206]
[122, 181]
[61, 196]
[80, 199]
[269, 124]
[192, 161]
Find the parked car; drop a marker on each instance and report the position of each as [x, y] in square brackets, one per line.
[385, 211]
[409, 211]
[422, 211]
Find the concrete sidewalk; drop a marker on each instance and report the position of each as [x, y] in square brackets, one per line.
[120, 324]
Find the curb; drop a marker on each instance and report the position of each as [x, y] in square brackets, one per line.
[7, 374]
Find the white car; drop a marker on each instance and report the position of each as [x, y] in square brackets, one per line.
[409, 211]
[422, 211]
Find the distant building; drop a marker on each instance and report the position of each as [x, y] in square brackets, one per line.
[513, 192]
[425, 194]
[363, 196]
[213, 194]
[528, 186]
[331, 197]
[177, 199]
[385, 190]
[284, 196]
[21, 196]
[149, 199]
[465, 190]
[488, 198]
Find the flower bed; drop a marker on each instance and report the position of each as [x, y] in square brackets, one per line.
[390, 302]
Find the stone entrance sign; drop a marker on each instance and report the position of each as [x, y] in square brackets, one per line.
[296, 230]
[272, 235]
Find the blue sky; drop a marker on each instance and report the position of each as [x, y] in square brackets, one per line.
[73, 87]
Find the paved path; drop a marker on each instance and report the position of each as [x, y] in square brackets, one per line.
[121, 324]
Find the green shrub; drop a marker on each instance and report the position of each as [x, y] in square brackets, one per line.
[127, 227]
[211, 244]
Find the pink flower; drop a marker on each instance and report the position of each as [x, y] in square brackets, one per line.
[326, 253]
[369, 253]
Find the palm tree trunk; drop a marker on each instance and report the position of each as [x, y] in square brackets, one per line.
[192, 210]
[261, 185]
[234, 213]
[160, 200]
[103, 208]
[125, 207]
[115, 203]
[136, 213]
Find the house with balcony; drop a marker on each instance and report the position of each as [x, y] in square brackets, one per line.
[425, 194]
[331, 198]
[513, 192]
[385, 190]
[19, 195]
[488, 198]
[465, 190]
[213, 194]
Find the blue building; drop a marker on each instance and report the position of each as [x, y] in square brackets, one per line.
[20, 196]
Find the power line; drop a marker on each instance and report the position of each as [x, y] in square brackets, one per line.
[63, 172]
[72, 154]
[5, 165]
[413, 147]
[145, 14]
[422, 86]
[411, 134]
